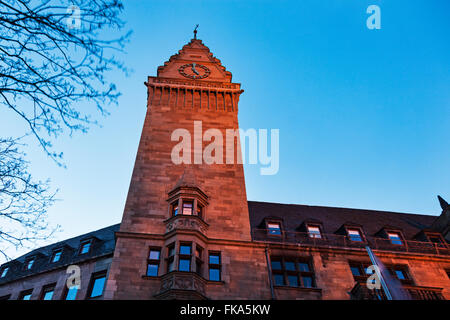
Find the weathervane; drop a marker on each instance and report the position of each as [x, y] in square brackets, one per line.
[195, 32]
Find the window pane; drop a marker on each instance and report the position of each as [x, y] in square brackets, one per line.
[27, 296]
[174, 209]
[185, 249]
[72, 293]
[314, 232]
[279, 279]
[199, 211]
[56, 256]
[171, 266]
[30, 264]
[214, 274]
[274, 228]
[97, 288]
[171, 251]
[154, 255]
[355, 271]
[395, 238]
[276, 265]
[289, 265]
[214, 259]
[307, 282]
[4, 272]
[354, 235]
[185, 265]
[187, 208]
[48, 295]
[85, 247]
[303, 266]
[293, 281]
[152, 270]
[400, 274]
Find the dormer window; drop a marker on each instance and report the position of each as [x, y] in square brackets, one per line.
[395, 238]
[29, 264]
[274, 228]
[435, 238]
[4, 272]
[314, 232]
[354, 235]
[56, 255]
[85, 247]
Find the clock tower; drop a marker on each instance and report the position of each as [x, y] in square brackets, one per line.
[181, 216]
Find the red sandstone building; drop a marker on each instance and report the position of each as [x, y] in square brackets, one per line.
[188, 231]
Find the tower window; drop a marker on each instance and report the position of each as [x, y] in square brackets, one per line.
[171, 257]
[188, 207]
[199, 210]
[184, 261]
[153, 262]
[175, 208]
[198, 259]
[215, 266]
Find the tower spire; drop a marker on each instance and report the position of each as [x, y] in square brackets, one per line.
[195, 32]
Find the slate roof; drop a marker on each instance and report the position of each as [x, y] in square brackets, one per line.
[103, 244]
[332, 218]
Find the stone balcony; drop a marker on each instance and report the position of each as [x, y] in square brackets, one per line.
[182, 286]
[186, 222]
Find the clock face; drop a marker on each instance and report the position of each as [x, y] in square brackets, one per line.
[194, 71]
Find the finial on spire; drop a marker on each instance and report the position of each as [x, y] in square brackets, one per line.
[195, 32]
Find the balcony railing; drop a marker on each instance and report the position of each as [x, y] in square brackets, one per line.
[361, 292]
[341, 241]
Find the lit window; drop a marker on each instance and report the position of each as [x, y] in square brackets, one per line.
[395, 238]
[184, 261]
[214, 266]
[56, 256]
[97, 284]
[25, 295]
[85, 247]
[187, 207]
[4, 272]
[71, 293]
[153, 262]
[314, 232]
[354, 235]
[47, 292]
[274, 228]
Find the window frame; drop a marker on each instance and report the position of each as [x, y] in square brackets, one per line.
[151, 261]
[4, 272]
[25, 293]
[27, 266]
[360, 232]
[400, 236]
[82, 243]
[47, 288]
[299, 274]
[170, 259]
[66, 292]
[314, 225]
[95, 276]
[198, 259]
[183, 256]
[54, 253]
[277, 222]
[215, 266]
[430, 235]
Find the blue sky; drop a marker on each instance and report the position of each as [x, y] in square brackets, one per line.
[364, 115]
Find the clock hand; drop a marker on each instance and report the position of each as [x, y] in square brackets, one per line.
[193, 69]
